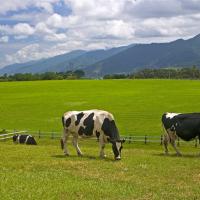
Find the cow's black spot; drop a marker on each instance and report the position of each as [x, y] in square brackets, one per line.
[68, 122]
[109, 128]
[81, 130]
[31, 140]
[22, 138]
[15, 138]
[79, 116]
[106, 127]
[89, 126]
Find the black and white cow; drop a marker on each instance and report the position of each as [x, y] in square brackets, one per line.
[24, 139]
[88, 123]
[184, 126]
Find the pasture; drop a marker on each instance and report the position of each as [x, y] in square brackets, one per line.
[136, 104]
[42, 172]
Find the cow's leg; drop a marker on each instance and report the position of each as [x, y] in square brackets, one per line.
[166, 140]
[165, 143]
[65, 138]
[102, 146]
[173, 137]
[75, 143]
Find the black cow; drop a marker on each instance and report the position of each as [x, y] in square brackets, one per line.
[24, 139]
[88, 123]
[184, 126]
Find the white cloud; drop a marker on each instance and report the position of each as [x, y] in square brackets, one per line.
[41, 28]
[27, 53]
[14, 5]
[55, 21]
[55, 37]
[93, 24]
[23, 29]
[99, 9]
[4, 39]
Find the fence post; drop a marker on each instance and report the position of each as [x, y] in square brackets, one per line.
[129, 140]
[52, 135]
[39, 134]
[161, 140]
[178, 143]
[145, 139]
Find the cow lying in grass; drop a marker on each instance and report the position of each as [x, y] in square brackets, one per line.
[24, 139]
[88, 123]
[184, 126]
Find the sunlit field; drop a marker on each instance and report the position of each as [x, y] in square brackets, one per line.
[43, 172]
[136, 104]
[144, 173]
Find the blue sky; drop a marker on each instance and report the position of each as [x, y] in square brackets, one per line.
[35, 29]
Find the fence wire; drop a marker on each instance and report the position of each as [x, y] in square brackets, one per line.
[146, 139]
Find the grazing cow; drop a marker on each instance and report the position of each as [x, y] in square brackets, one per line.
[24, 139]
[184, 126]
[88, 123]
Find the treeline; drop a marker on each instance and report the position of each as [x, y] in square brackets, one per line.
[165, 73]
[77, 74]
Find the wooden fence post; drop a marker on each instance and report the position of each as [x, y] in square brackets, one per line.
[39, 134]
[52, 135]
[145, 139]
[129, 140]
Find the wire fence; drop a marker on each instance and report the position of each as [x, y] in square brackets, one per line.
[145, 139]
[9, 134]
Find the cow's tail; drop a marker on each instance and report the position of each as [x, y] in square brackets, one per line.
[61, 143]
[63, 120]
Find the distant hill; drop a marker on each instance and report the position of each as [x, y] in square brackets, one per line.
[70, 61]
[126, 59]
[179, 53]
[43, 65]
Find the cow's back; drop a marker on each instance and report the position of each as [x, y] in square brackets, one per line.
[85, 123]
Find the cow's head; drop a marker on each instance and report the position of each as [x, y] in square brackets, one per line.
[117, 147]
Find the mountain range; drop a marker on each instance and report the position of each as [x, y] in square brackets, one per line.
[125, 59]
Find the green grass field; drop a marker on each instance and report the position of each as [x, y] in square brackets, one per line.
[136, 104]
[144, 173]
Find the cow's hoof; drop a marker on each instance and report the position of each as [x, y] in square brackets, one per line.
[179, 154]
[80, 154]
[66, 154]
[118, 158]
[103, 156]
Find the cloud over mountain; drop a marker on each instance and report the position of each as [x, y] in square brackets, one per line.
[59, 26]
